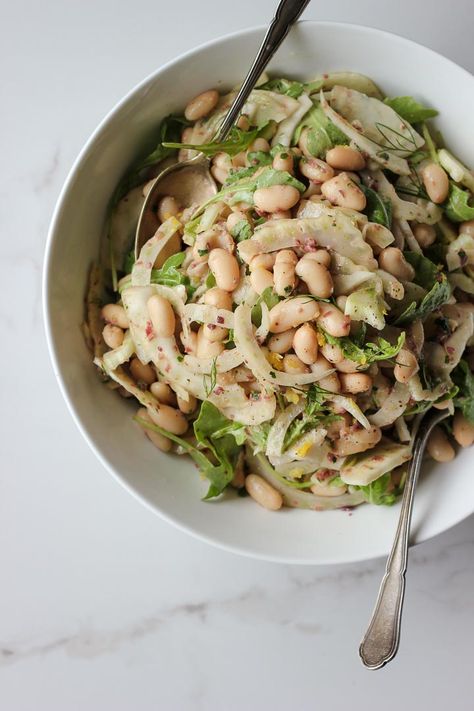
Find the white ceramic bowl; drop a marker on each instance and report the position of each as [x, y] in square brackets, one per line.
[170, 485]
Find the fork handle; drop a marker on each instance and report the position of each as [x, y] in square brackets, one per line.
[380, 643]
[287, 13]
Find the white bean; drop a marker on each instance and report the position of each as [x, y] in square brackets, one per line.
[163, 393]
[424, 234]
[315, 170]
[356, 439]
[406, 365]
[112, 335]
[261, 279]
[263, 493]
[276, 198]
[332, 320]
[332, 353]
[290, 313]
[219, 298]
[467, 228]
[156, 438]
[284, 272]
[142, 372]
[292, 364]
[281, 342]
[355, 382]
[225, 268]
[201, 105]
[115, 314]
[391, 260]
[167, 207]
[345, 158]
[305, 344]
[342, 191]
[162, 316]
[187, 406]
[206, 348]
[316, 276]
[265, 260]
[169, 418]
[283, 161]
[436, 182]
[463, 430]
[439, 447]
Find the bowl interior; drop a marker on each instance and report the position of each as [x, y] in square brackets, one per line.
[170, 485]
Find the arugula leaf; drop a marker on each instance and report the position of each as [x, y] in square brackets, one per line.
[464, 379]
[376, 492]
[368, 352]
[409, 109]
[322, 134]
[210, 281]
[304, 424]
[426, 271]
[438, 295]
[270, 298]
[284, 86]
[258, 436]
[315, 399]
[224, 448]
[377, 209]
[457, 207]
[169, 274]
[241, 231]
[237, 141]
[259, 158]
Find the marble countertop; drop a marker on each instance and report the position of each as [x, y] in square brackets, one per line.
[103, 605]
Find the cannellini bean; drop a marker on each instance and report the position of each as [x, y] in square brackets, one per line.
[439, 447]
[345, 158]
[156, 438]
[167, 207]
[341, 302]
[292, 364]
[215, 333]
[187, 406]
[315, 170]
[467, 228]
[355, 382]
[305, 344]
[436, 182]
[342, 191]
[112, 335]
[234, 218]
[406, 365]
[303, 144]
[263, 493]
[424, 234]
[161, 315]
[142, 372]
[260, 144]
[266, 260]
[220, 175]
[189, 342]
[391, 260]
[291, 313]
[331, 383]
[169, 418]
[321, 256]
[239, 160]
[201, 105]
[206, 348]
[225, 268]
[163, 393]
[346, 366]
[281, 342]
[443, 405]
[115, 314]
[275, 198]
[243, 122]
[284, 272]
[214, 238]
[219, 298]
[356, 439]
[261, 279]
[283, 161]
[332, 320]
[280, 215]
[463, 430]
[316, 276]
[328, 489]
[332, 353]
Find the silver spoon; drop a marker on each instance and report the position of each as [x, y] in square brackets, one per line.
[380, 643]
[192, 177]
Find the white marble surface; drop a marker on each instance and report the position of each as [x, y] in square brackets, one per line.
[102, 604]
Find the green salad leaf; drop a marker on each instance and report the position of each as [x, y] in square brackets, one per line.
[464, 379]
[215, 432]
[267, 296]
[377, 209]
[438, 295]
[377, 491]
[237, 141]
[241, 231]
[284, 86]
[409, 109]
[457, 207]
[322, 134]
[368, 352]
[259, 158]
[426, 271]
[169, 274]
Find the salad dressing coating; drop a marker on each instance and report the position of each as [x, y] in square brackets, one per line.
[289, 333]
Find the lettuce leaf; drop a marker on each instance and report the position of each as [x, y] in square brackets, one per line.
[378, 209]
[322, 134]
[368, 352]
[457, 207]
[284, 86]
[409, 109]
[464, 379]
[169, 274]
[377, 491]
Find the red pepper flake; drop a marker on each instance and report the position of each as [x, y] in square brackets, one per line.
[159, 349]
[377, 458]
[211, 326]
[220, 319]
[450, 349]
[219, 390]
[149, 330]
[332, 457]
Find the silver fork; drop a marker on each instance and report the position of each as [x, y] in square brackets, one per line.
[381, 641]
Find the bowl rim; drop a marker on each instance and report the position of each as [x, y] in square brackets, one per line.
[47, 278]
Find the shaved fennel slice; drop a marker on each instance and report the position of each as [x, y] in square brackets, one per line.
[366, 145]
[377, 235]
[391, 285]
[295, 497]
[351, 80]
[149, 253]
[462, 245]
[406, 233]
[443, 358]
[119, 375]
[332, 229]
[287, 127]
[366, 305]
[118, 356]
[461, 281]
[308, 445]
[421, 211]
[263, 330]
[224, 362]
[278, 430]
[350, 406]
[263, 106]
[393, 407]
[253, 357]
[419, 394]
[362, 469]
[402, 430]
[204, 313]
